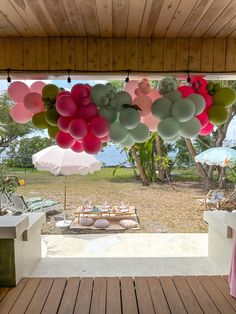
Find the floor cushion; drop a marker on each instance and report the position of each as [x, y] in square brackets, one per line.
[86, 221]
[128, 223]
[101, 223]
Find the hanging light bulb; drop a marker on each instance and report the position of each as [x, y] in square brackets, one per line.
[127, 78]
[69, 78]
[8, 76]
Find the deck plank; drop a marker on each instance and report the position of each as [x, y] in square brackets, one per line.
[128, 297]
[69, 297]
[98, 304]
[11, 296]
[201, 295]
[190, 302]
[215, 294]
[22, 302]
[175, 303]
[158, 297]
[3, 292]
[113, 300]
[54, 297]
[223, 286]
[144, 298]
[40, 296]
[83, 301]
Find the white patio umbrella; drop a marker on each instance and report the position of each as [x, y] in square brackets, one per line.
[65, 162]
[217, 156]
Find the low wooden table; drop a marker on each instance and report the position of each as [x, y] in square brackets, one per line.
[106, 214]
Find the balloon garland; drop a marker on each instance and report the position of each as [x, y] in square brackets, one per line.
[85, 117]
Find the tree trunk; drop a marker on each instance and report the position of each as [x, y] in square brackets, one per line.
[139, 166]
[161, 174]
[222, 179]
[200, 168]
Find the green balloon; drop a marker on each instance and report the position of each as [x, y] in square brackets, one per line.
[172, 139]
[109, 114]
[99, 93]
[183, 110]
[52, 131]
[217, 115]
[129, 141]
[168, 128]
[51, 117]
[190, 128]
[161, 108]
[129, 118]
[199, 103]
[173, 95]
[122, 98]
[224, 97]
[141, 133]
[117, 133]
[50, 91]
[109, 87]
[39, 121]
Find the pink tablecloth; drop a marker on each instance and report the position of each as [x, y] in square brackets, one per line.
[232, 274]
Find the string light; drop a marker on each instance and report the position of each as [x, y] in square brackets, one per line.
[69, 78]
[127, 78]
[8, 76]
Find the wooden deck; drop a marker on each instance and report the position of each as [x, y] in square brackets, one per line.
[146, 295]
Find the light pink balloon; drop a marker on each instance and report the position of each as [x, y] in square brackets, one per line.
[130, 88]
[144, 103]
[153, 94]
[186, 90]
[138, 91]
[37, 87]
[203, 119]
[20, 114]
[17, 91]
[33, 102]
[207, 130]
[150, 121]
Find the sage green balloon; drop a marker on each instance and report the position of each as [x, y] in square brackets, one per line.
[183, 110]
[109, 114]
[50, 91]
[39, 121]
[224, 97]
[217, 115]
[173, 95]
[190, 128]
[199, 103]
[173, 139]
[122, 98]
[51, 117]
[161, 108]
[129, 141]
[168, 128]
[129, 118]
[141, 133]
[117, 133]
[52, 131]
[109, 87]
[99, 93]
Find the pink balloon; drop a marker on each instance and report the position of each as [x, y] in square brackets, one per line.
[33, 102]
[63, 92]
[153, 94]
[20, 114]
[66, 106]
[208, 99]
[77, 147]
[186, 90]
[88, 112]
[17, 91]
[63, 123]
[80, 91]
[91, 144]
[138, 92]
[78, 128]
[65, 140]
[99, 126]
[207, 130]
[144, 103]
[37, 87]
[203, 119]
[130, 88]
[150, 121]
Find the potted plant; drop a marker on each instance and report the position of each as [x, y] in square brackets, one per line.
[8, 185]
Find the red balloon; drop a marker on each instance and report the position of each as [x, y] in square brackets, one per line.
[208, 100]
[91, 144]
[186, 90]
[20, 114]
[99, 126]
[85, 101]
[33, 102]
[63, 92]
[78, 128]
[105, 138]
[63, 123]
[77, 147]
[66, 106]
[88, 112]
[203, 119]
[65, 140]
[207, 130]
[80, 91]
[17, 91]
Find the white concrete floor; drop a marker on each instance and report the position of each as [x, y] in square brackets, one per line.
[125, 255]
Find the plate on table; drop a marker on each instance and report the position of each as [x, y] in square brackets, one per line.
[123, 209]
[104, 210]
[87, 210]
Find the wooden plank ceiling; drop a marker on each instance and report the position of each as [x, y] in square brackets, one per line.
[118, 18]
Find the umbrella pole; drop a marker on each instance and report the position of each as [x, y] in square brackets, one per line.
[65, 181]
